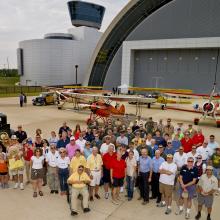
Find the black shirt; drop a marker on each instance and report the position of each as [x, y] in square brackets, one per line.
[188, 174]
[63, 129]
[21, 135]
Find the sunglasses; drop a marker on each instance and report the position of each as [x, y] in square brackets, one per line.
[169, 143]
[190, 161]
[198, 158]
[62, 152]
[37, 151]
[180, 149]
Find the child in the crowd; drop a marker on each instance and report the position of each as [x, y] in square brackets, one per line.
[3, 172]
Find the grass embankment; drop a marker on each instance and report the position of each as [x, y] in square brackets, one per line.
[8, 88]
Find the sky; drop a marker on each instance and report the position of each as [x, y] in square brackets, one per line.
[31, 19]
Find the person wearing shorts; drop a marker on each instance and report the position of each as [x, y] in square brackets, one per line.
[3, 172]
[107, 161]
[94, 166]
[187, 189]
[167, 172]
[37, 161]
[216, 165]
[207, 186]
[117, 173]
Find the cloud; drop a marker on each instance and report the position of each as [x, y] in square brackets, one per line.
[31, 19]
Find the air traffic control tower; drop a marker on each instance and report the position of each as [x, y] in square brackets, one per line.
[86, 14]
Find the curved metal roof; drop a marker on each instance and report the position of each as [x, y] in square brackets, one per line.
[126, 21]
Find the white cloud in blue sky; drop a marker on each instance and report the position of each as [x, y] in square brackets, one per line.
[31, 19]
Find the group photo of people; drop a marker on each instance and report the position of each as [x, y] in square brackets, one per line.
[158, 162]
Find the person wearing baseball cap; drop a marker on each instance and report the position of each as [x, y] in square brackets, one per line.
[72, 147]
[167, 171]
[207, 186]
[215, 158]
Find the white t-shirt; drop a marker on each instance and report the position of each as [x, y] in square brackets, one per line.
[208, 184]
[104, 148]
[37, 162]
[81, 144]
[206, 152]
[168, 179]
[51, 158]
[180, 160]
[130, 171]
[63, 163]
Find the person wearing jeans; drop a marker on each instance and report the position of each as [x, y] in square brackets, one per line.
[63, 163]
[131, 164]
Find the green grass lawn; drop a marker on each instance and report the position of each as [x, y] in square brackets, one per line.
[9, 81]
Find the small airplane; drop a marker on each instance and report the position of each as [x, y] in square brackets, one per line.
[100, 105]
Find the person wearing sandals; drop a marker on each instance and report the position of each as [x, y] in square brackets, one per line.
[37, 161]
[63, 163]
[52, 175]
[79, 180]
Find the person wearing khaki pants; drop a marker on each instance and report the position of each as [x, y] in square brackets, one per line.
[79, 181]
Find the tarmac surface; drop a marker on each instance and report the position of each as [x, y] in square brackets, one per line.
[20, 205]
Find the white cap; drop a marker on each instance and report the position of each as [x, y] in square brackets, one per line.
[72, 138]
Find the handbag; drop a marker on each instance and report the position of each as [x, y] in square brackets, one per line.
[16, 164]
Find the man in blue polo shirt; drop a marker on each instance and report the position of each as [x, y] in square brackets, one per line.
[64, 140]
[145, 172]
[156, 163]
[187, 189]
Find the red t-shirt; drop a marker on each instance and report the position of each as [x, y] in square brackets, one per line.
[198, 138]
[118, 167]
[187, 144]
[107, 160]
[28, 155]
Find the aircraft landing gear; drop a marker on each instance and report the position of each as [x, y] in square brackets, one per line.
[218, 124]
[196, 121]
[149, 105]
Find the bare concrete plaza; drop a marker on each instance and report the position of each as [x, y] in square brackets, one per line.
[20, 205]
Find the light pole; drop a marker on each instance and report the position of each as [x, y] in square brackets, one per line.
[76, 67]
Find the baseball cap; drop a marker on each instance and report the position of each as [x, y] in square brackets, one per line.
[72, 138]
[209, 168]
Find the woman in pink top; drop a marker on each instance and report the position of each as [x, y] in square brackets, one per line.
[71, 148]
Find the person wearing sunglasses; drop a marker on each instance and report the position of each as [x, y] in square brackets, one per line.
[205, 151]
[51, 160]
[169, 149]
[187, 189]
[79, 181]
[37, 161]
[63, 163]
[207, 186]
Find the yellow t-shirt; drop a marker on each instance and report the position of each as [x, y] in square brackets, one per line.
[76, 161]
[94, 163]
[76, 177]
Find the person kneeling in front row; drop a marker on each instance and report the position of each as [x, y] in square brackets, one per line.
[79, 181]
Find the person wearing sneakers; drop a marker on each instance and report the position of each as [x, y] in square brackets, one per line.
[216, 165]
[3, 172]
[167, 171]
[52, 175]
[37, 161]
[117, 173]
[207, 186]
[94, 166]
[187, 189]
[79, 181]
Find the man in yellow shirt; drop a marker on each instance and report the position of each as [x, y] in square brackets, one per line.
[77, 160]
[79, 181]
[94, 166]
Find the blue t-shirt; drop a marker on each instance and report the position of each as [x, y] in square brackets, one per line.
[62, 143]
[169, 151]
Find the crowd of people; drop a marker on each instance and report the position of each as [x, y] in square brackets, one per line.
[156, 159]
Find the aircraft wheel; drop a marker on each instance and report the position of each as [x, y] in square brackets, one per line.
[218, 124]
[149, 105]
[196, 121]
[59, 107]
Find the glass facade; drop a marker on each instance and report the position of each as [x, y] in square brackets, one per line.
[86, 14]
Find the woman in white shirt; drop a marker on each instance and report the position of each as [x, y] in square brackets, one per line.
[63, 163]
[37, 171]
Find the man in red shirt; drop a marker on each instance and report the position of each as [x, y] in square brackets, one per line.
[118, 169]
[187, 142]
[107, 161]
[198, 138]
[28, 153]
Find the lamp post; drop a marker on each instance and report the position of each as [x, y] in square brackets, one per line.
[76, 67]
